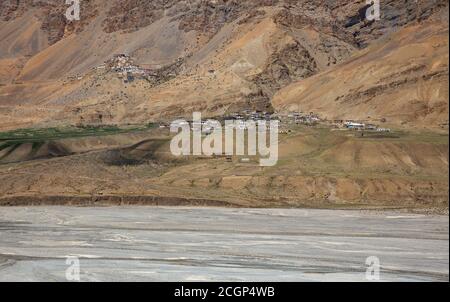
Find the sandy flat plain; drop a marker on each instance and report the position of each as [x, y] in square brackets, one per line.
[220, 244]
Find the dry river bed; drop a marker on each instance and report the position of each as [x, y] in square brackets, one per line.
[220, 244]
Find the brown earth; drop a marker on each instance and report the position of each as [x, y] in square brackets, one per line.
[318, 167]
[219, 57]
[235, 54]
[403, 79]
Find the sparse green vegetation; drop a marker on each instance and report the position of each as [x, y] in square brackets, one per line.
[47, 134]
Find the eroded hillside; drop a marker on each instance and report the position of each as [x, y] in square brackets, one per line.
[84, 100]
[400, 79]
[235, 55]
[317, 167]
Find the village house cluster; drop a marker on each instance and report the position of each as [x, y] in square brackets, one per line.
[352, 125]
[298, 118]
[312, 119]
[253, 115]
[125, 67]
[286, 121]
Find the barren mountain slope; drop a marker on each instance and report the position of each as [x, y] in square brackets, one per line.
[131, 62]
[233, 54]
[317, 167]
[402, 78]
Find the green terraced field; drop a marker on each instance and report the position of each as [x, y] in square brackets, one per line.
[48, 134]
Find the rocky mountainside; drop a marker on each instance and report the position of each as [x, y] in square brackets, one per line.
[218, 56]
[405, 84]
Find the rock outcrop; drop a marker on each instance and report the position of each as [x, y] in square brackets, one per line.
[211, 55]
